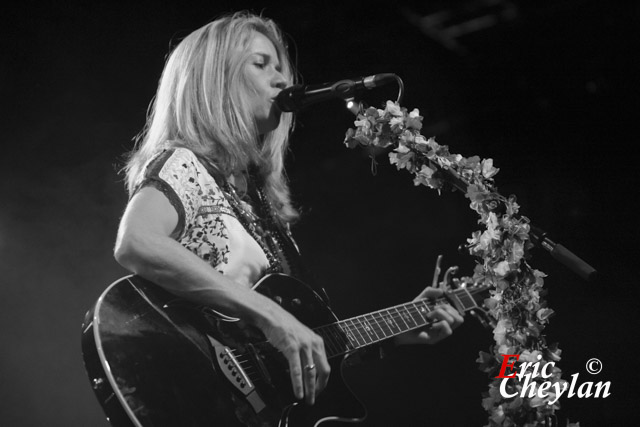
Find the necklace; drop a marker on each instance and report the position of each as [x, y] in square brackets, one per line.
[259, 226]
[274, 231]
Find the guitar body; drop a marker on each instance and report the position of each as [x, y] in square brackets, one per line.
[156, 360]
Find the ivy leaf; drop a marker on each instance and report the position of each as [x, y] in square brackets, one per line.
[501, 249]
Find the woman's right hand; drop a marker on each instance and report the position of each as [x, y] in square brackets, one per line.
[144, 246]
[303, 349]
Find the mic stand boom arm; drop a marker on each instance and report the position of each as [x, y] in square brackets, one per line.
[538, 236]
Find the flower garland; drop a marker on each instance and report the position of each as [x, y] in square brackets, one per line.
[502, 250]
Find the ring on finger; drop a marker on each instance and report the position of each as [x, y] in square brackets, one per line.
[310, 367]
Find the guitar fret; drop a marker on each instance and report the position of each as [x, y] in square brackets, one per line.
[417, 321]
[382, 325]
[401, 317]
[370, 329]
[346, 343]
[422, 310]
[335, 341]
[373, 327]
[466, 300]
[363, 331]
[376, 326]
[385, 329]
[350, 334]
[390, 322]
[364, 340]
[410, 316]
[459, 301]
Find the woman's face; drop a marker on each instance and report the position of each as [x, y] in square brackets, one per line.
[265, 80]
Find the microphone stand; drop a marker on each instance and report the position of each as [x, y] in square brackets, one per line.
[538, 236]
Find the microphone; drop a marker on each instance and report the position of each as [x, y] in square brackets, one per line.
[297, 97]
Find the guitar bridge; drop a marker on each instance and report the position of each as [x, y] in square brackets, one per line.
[230, 367]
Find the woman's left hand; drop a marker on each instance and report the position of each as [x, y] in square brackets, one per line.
[445, 320]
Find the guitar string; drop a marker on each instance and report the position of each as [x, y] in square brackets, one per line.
[337, 342]
[383, 316]
[380, 318]
[381, 324]
[340, 343]
[393, 321]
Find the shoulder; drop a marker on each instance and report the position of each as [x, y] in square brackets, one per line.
[173, 160]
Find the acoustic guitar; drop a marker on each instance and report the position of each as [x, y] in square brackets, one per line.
[156, 360]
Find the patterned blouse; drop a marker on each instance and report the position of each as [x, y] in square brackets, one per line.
[207, 223]
[208, 226]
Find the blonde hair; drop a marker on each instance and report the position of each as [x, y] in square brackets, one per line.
[201, 104]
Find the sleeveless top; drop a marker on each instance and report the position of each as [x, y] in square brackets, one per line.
[239, 239]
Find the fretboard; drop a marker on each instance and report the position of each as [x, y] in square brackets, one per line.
[360, 331]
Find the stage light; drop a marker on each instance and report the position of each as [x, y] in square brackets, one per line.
[353, 105]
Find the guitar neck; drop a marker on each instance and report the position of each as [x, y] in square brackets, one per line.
[351, 334]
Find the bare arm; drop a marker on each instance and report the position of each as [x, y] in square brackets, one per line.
[144, 246]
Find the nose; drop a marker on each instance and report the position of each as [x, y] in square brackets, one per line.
[278, 80]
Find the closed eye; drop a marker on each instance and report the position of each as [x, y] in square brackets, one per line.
[262, 60]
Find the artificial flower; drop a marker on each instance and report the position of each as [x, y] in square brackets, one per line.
[501, 249]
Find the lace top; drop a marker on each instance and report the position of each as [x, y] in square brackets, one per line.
[208, 224]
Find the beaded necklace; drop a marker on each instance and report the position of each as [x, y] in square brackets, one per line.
[275, 240]
[261, 226]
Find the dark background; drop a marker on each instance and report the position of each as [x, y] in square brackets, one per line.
[548, 89]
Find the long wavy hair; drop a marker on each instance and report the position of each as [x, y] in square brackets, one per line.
[202, 104]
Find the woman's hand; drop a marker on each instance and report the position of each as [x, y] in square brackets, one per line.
[144, 246]
[303, 349]
[445, 317]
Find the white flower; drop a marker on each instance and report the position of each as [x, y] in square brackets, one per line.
[498, 415]
[419, 139]
[393, 109]
[529, 356]
[502, 268]
[544, 314]
[360, 123]
[501, 247]
[517, 252]
[487, 168]
[426, 171]
[395, 121]
[500, 331]
[485, 240]
[433, 144]
[402, 149]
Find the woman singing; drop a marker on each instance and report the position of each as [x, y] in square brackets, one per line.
[209, 208]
